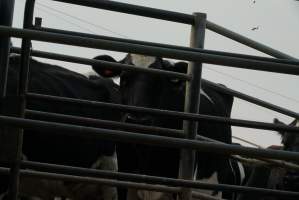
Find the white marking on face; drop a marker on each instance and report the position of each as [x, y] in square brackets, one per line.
[142, 60]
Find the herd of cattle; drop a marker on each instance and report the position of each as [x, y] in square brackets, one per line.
[134, 89]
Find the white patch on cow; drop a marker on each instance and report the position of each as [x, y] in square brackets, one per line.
[106, 163]
[206, 95]
[13, 55]
[90, 73]
[242, 172]
[142, 60]
[297, 124]
[152, 195]
[213, 180]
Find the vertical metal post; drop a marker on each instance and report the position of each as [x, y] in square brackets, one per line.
[22, 89]
[6, 16]
[192, 101]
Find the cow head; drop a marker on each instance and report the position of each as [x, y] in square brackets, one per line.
[290, 142]
[165, 93]
[144, 90]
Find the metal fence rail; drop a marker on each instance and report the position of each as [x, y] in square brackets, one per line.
[176, 17]
[174, 183]
[168, 113]
[99, 133]
[213, 52]
[133, 46]
[215, 86]
[150, 50]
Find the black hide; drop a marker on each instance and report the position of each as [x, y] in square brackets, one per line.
[140, 89]
[54, 80]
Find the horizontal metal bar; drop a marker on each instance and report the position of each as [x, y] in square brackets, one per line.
[114, 135]
[120, 176]
[149, 50]
[100, 63]
[247, 41]
[92, 180]
[237, 55]
[179, 18]
[46, 116]
[168, 113]
[214, 85]
[56, 176]
[134, 9]
[252, 99]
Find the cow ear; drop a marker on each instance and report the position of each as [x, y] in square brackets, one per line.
[102, 70]
[181, 67]
[278, 122]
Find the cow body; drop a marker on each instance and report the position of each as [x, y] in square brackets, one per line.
[56, 148]
[275, 178]
[140, 89]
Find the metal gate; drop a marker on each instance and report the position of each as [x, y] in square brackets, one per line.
[196, 55]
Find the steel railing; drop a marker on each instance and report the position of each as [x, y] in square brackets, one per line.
[286, 64]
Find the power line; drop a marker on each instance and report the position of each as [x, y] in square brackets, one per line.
[83, 21]
[74, 24]
[254, 85]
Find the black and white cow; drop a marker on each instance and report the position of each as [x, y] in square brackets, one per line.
[140, 89]
[276, 178]
[55, 148]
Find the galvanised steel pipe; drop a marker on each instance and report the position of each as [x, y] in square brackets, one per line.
[149, 179]
[149, 50]
[109, 65]
[176, 17]
[23, 77]
[248, 42]
[114, 135]
[216, 86]
[168, 113]
[135, 10]
[6, 16]
[157, 72]
[252, 99]
[213, 52]
[96, 123]
[83, 121]
[192, 103]
[57, 176]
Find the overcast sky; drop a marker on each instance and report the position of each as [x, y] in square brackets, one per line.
[274, 23]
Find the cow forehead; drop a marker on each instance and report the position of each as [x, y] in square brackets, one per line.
[142, 60]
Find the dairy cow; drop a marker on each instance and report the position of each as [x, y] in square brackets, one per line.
[277, 177]
[140, 89]
[49, 147]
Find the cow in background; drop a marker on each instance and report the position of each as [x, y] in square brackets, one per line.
[140, 89]
[276, 178]
[43, 146]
